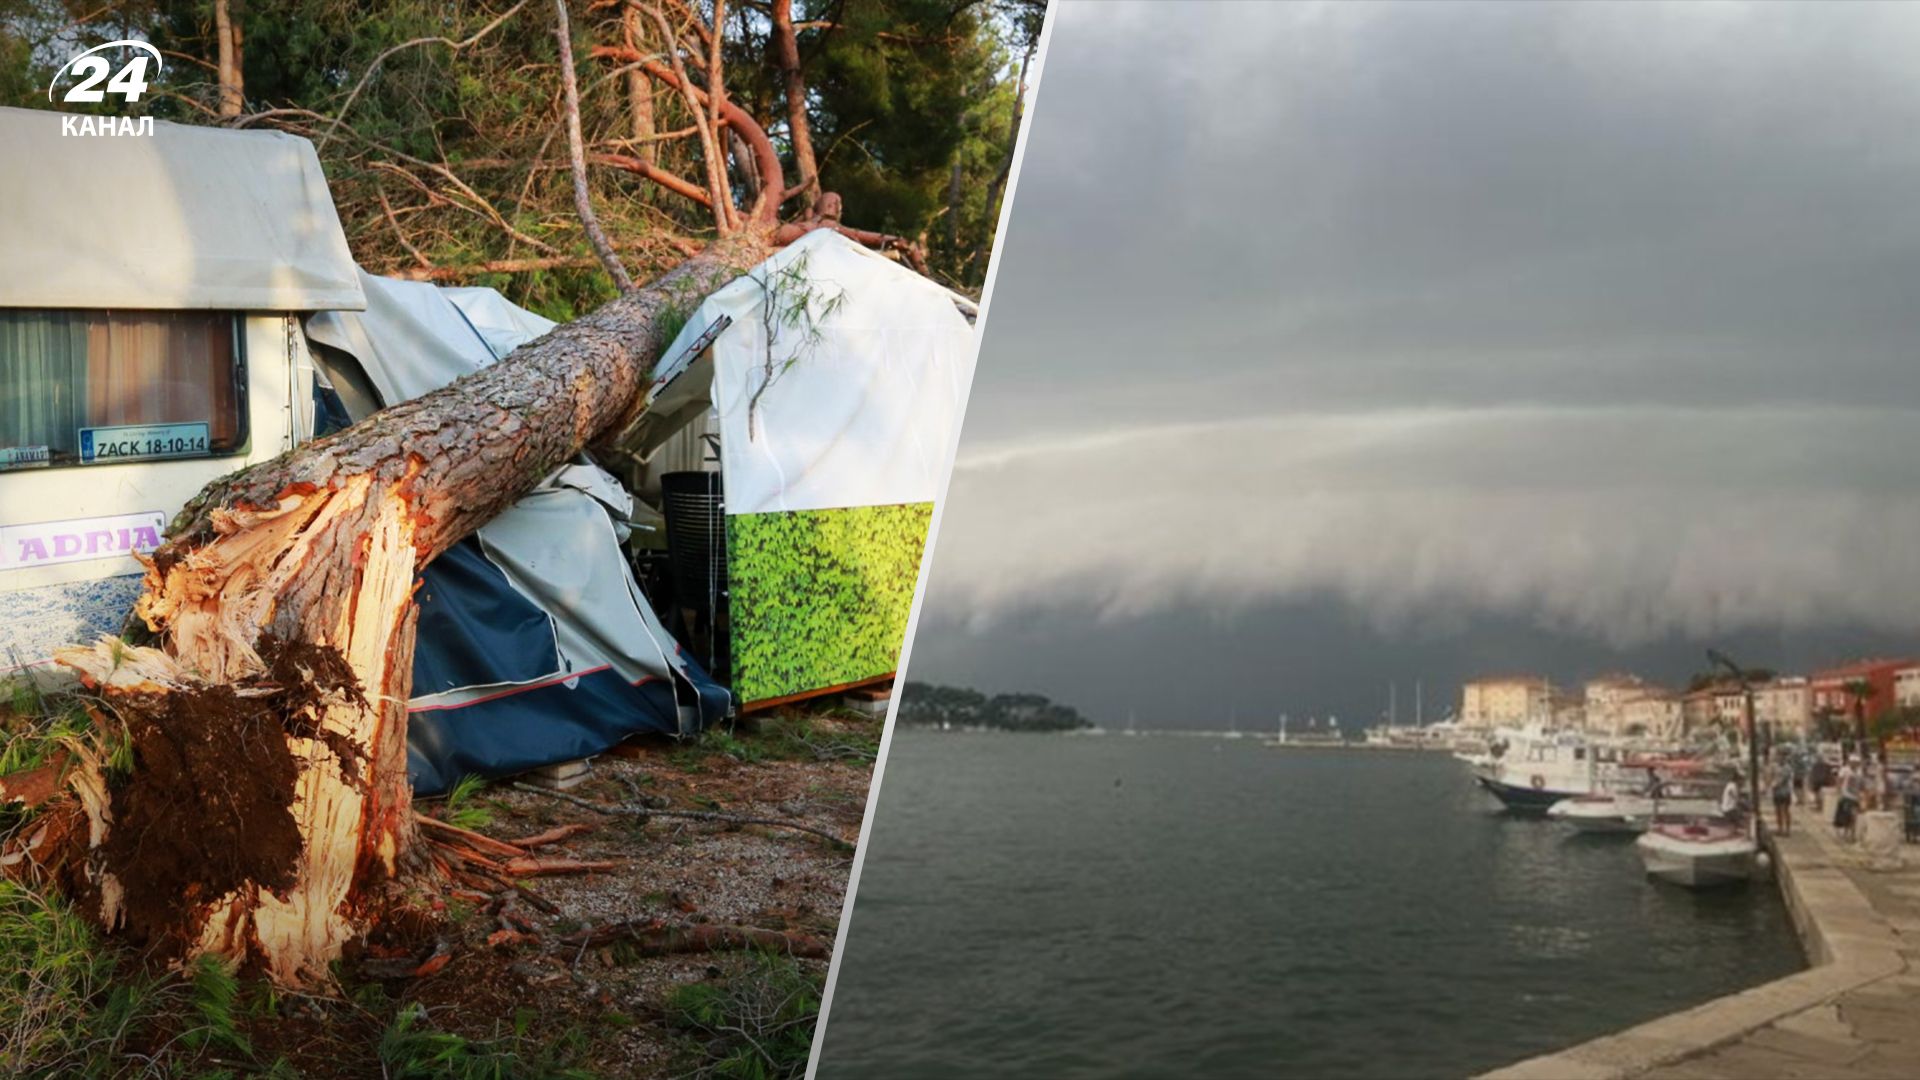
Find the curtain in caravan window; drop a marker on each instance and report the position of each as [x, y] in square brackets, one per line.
[43, 383]
[64, 371]
[150, 367]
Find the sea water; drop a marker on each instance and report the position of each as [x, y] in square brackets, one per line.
[1041, 905]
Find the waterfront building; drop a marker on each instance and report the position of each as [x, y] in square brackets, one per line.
[1832, 690]
[1654, 714]
[1506, 701]
[1784, 707]
[1611, 698]
[1906, 687]
[1714, 705]
[1730, 706]
[1569, 710]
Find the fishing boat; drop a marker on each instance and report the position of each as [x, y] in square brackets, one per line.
[1697, 851]
[1532, 769]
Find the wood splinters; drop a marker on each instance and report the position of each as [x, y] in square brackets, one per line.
[546, 867]
[473, 839]
[551, 836]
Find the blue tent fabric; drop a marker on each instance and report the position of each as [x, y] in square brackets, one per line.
[475, 628]
[526, 727]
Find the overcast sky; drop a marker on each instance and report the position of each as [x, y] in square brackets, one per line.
[1335, 344]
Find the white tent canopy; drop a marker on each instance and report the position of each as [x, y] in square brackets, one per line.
[414, 337]
[855, 400]
[184, 218]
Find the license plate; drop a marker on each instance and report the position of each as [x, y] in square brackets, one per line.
[143, 442]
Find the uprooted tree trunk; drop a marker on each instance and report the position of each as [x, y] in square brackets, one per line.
[267, 817]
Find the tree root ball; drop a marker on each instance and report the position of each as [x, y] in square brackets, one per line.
[211, 810]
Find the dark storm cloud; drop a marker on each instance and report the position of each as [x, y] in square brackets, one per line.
[1602, 318]
[1296, 207]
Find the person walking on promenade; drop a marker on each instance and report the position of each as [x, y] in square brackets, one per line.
[1783, 774]
[1819, 776]
[1847, 806]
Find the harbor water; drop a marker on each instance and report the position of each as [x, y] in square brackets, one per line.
[1155, 906]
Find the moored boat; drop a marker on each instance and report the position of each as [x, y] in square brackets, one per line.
[1623, 813]
[1698, 852]
[1529, 771]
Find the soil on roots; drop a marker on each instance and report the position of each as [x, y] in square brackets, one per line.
[207, 806]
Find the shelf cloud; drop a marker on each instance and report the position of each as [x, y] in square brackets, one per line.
[1624, 524]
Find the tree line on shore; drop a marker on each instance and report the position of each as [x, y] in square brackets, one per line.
[931, 705]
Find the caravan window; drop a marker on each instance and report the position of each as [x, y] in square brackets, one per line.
[100, 387]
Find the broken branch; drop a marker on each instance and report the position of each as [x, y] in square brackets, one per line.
[654, 938]
[552, 836]
[644, 812]
[582, 199]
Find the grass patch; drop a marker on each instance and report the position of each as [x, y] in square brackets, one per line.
[215, 994]
[410, 1049]
[69, 1008]
[755, 1022]
[53, 972]
[804, 737]
[34, 724]
[835, 735]
[694, 755]
[66, 1008]
[460, 808]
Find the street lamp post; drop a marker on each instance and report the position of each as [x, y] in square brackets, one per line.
[1739, 674]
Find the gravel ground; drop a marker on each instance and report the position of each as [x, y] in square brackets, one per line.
[677, 871]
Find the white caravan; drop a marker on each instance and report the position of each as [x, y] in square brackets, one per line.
[151, 340]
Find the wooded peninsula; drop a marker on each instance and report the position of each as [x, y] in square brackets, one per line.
[950, 707]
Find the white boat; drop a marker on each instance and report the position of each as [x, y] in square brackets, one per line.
[1698, 852]
[1532, 769]
[1623, 812]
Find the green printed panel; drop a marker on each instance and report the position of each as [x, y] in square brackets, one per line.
[820, 597]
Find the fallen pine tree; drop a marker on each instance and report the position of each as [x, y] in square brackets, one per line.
[267, 815]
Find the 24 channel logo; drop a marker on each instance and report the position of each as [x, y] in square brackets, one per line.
[95, 78]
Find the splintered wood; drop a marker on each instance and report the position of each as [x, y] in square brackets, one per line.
[345, 818]
[270, 571]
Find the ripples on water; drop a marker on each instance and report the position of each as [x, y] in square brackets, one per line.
[1053, 906]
